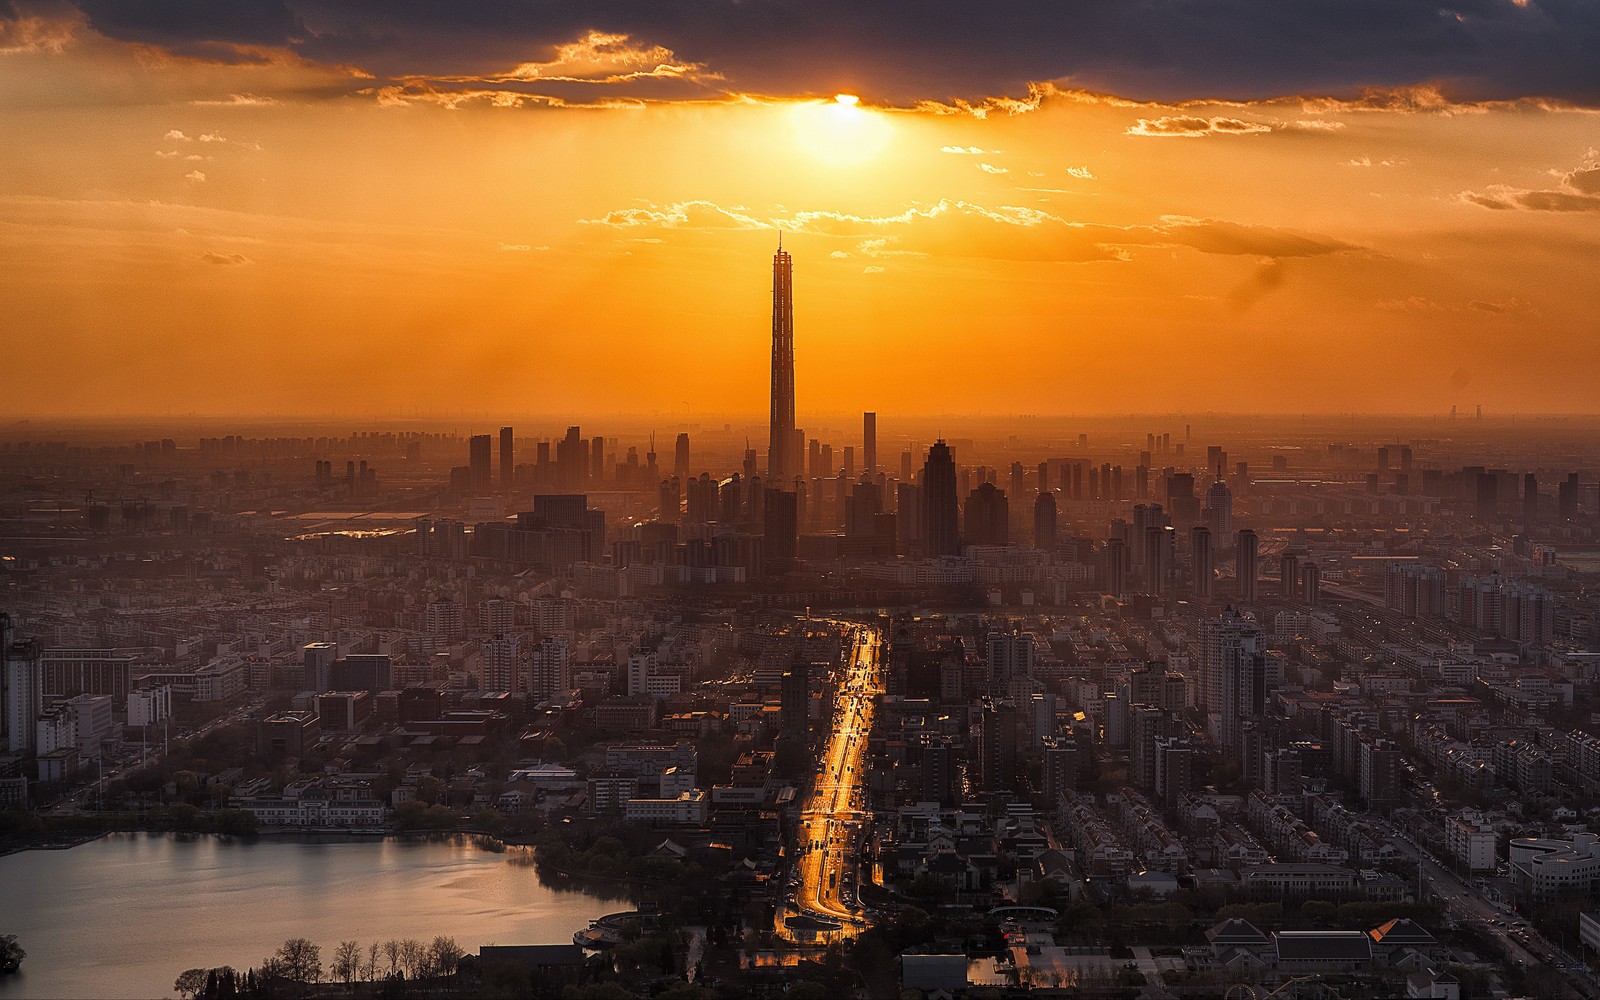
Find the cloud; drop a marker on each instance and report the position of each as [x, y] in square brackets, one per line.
[682, 215]
[176, 135]
[1579, 191]
[230, 259]
[903, 53]
[1081, 173]
[515, 247]
[968, 150]
[195, 175]
[990, 168]
[1190, 126]
[962, 229]
[874, 269]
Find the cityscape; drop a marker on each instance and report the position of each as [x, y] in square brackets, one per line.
[1187, 587]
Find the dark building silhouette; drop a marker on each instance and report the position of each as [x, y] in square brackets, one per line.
[1245, 563]
[986, 516]
[479, 457]
[941, 535]
[780, 524]
[1044, 521]
[869, 443]
[680, 458]
[782, 465]
[507, 464]
[1202, 561]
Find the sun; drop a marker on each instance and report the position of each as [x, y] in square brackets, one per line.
[841, 131]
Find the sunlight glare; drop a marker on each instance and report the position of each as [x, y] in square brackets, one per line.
[840, 132]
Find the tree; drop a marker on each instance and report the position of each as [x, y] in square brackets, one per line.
[347, 962]
[444, 955]
[371, 967]
[391, 951]
[11, 953]
[302, 960]
[190, 981]
[414, 957]
[806, 989]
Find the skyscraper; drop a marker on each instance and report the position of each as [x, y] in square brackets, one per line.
[1203, 562]
[1245, 564]
[940, 507]
[869, 443]
[987, 516]
[781, 465]
[680, 457]
[506, 464]
[478, 459]
[1044, 521]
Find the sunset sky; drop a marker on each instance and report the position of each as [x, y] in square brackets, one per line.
[570, 207]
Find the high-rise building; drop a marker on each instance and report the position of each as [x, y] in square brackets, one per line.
[1289, 576]
[499, 672]
[507, 465]
[548, 668]
[997, 761]
[479, 458]
[24, 691]
[572, 459]
[781, 465]
[1116, 567]
[794, 700]
[869, 443]
[780, 526]
[1202, 561]
[1011, 656]
[1219, 509]
[1245, 564]
[680, 458]
[987, 516]
[940, 508]
[317, 660]
[1044, 521]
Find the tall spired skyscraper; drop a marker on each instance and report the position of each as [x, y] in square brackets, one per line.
[782, 459]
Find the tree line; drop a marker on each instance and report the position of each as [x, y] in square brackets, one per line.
[298, 963]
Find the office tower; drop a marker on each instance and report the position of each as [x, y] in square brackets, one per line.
[548, 669]
[940, 535]
[572, 460]
[794, 700]
[1158, 556]
[780, 526]
[1245, 564]
[1289, 575]
[781, 465]
[1043, 473]
[680, 457]
[869, 443]
[1487, 495]
[849, 461]
[1202, 561]
[479, 452]
[506, 462]
[317, 660]
[1530, 501]
[986, 518]
[908, 516]
[905, 466]
[828, 468]
[1567, 497]
[597, 459]
[1219, 509]
[669, 499]
[1310, 583]
[1116, 567]
[1044, 521]
[499, 671]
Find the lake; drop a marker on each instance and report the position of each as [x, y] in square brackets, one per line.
[120, 917]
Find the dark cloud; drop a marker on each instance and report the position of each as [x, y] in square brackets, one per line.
[903, 51]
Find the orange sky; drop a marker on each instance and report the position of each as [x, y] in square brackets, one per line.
[187, 236]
